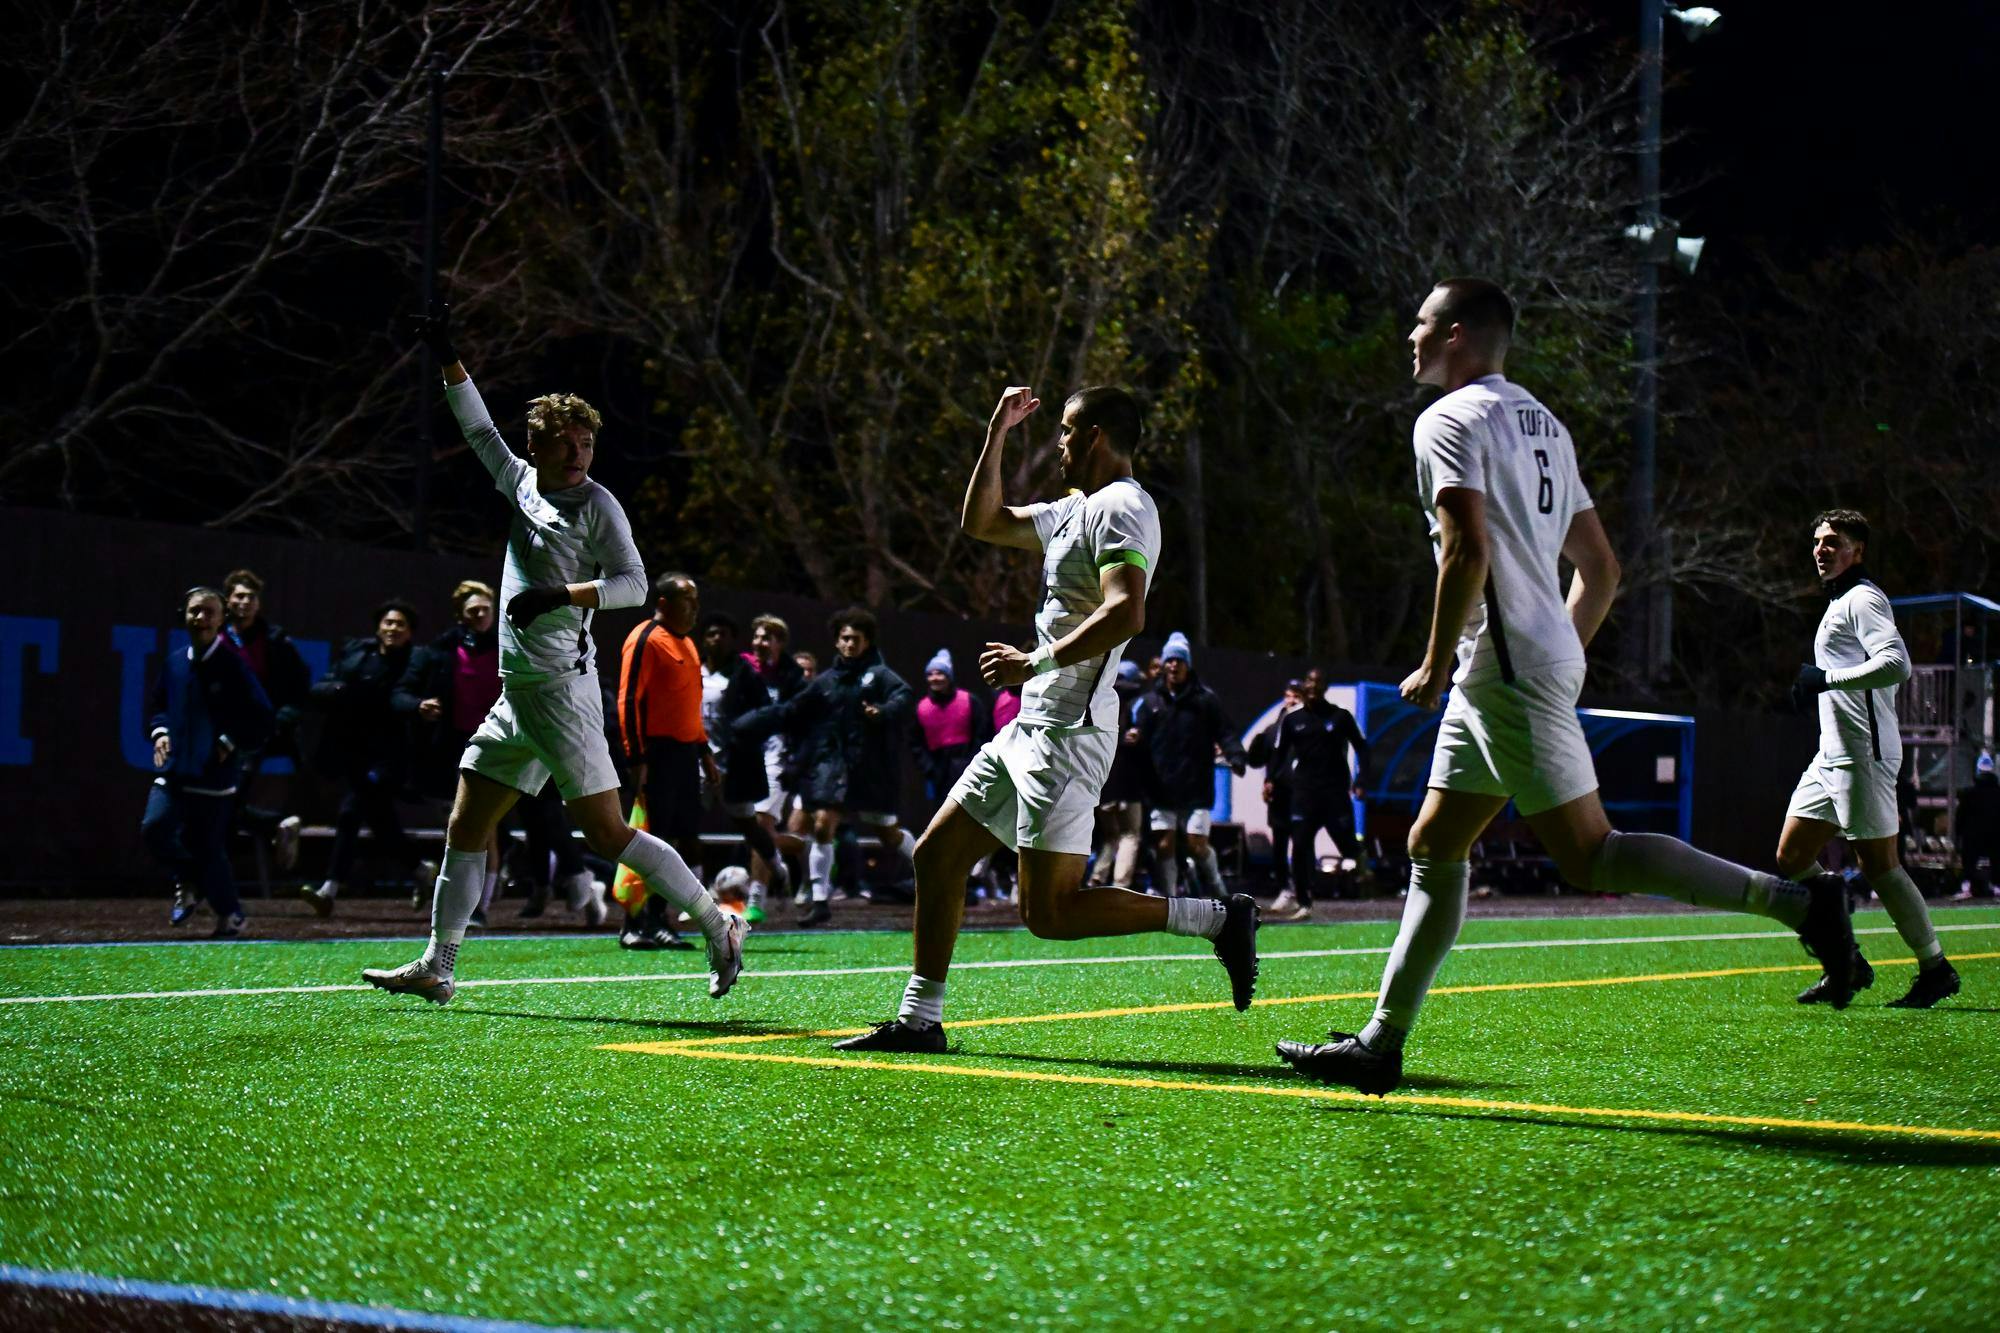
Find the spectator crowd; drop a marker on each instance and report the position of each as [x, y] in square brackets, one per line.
[796, 758]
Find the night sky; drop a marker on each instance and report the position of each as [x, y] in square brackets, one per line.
[1822, 125]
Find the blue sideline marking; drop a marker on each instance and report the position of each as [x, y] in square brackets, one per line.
[257, 1302]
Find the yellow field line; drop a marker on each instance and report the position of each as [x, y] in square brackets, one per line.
[1197, 1006]
[704, 1049]
[1312, 1093]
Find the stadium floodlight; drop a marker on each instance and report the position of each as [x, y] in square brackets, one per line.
[1697, 21]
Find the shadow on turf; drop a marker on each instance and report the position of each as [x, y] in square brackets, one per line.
[1844, 1147]
[1213, 1068]
[723, 1027]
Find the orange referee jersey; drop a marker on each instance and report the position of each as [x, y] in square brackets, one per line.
[659, 688]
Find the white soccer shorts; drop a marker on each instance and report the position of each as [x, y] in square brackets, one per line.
[535, 732]
[1194, 823]
[1859, 798]
[1522, 740]
[1036, 786]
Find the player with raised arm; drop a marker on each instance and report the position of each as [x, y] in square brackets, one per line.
[1498, 478]
[1035, 785]
[1849, 789]
[569, 552]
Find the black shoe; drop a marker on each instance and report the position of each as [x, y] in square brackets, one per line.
[634, 934]
[1934, 983]
[538, 900]
[478, 918]
[1862, 974]
[818, 914]
[1236, 946]
[229, 926]
[1344, 1060]
[896, 1035]
[666, 937]
[1828, 935]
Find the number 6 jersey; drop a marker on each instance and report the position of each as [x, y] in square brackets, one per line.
[1494, 437]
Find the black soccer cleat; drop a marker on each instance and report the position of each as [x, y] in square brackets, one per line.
[1828, 935]
[817, 914]
[1934, 983]
[1862, 975]
[1344, 1060]
[896, 1035]
[1236, 946]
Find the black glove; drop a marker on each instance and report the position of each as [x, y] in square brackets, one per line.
[530, 604]
[433, 331]
[1811, 683]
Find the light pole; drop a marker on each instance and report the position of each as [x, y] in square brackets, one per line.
[1648, 651]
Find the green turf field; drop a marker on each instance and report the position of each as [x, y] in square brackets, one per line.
[1663, 1151]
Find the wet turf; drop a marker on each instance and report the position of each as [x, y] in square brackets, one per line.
[494, 1159]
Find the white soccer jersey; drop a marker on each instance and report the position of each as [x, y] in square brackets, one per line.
[1862, 653]
[714, 684]
[1080, 535]
[574, 535]
[1494, 437]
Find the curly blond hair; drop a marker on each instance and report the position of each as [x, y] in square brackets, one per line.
[469, 589]
[553, 413]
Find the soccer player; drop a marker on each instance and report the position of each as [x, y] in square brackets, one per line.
[569, 551]
[1035, 785]
[1498, 478]
[1849, 789]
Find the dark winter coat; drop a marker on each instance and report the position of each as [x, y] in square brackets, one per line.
[1312, 748]
[1180, 732]
[742, 756]
[432, 673]
[1127, 779]
[199, 704]
[364, 735]
[845, 759]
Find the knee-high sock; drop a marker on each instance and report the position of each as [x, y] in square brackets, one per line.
[1655, 863]
[906, 847]
[1899, 893]
[668, 877]
[819, 870]
[459, 883]
[1210, 870]
[1167, 871]
[1432, 915]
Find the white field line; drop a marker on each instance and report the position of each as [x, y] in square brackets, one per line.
[897, 969]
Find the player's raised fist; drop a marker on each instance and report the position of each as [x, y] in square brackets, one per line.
[1016, 404]
[433, 330]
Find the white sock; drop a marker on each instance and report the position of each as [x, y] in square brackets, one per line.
[923, 1002]
[1899, 893]
[668, 876]
[906, 846]
[1193, 917]
[757, 893]
[1167, 871]
[1432, 915]
[1655, 863]
[1210, 869]
[458, 884]
[330, 889]
[819, 871]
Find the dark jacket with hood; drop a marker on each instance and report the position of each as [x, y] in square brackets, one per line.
[845, 759]
[1179, 731]
[432, 673]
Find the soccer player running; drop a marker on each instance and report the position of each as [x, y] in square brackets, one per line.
[569, 551]
[1849, 789]
[1498, 478]
[1035, 785]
